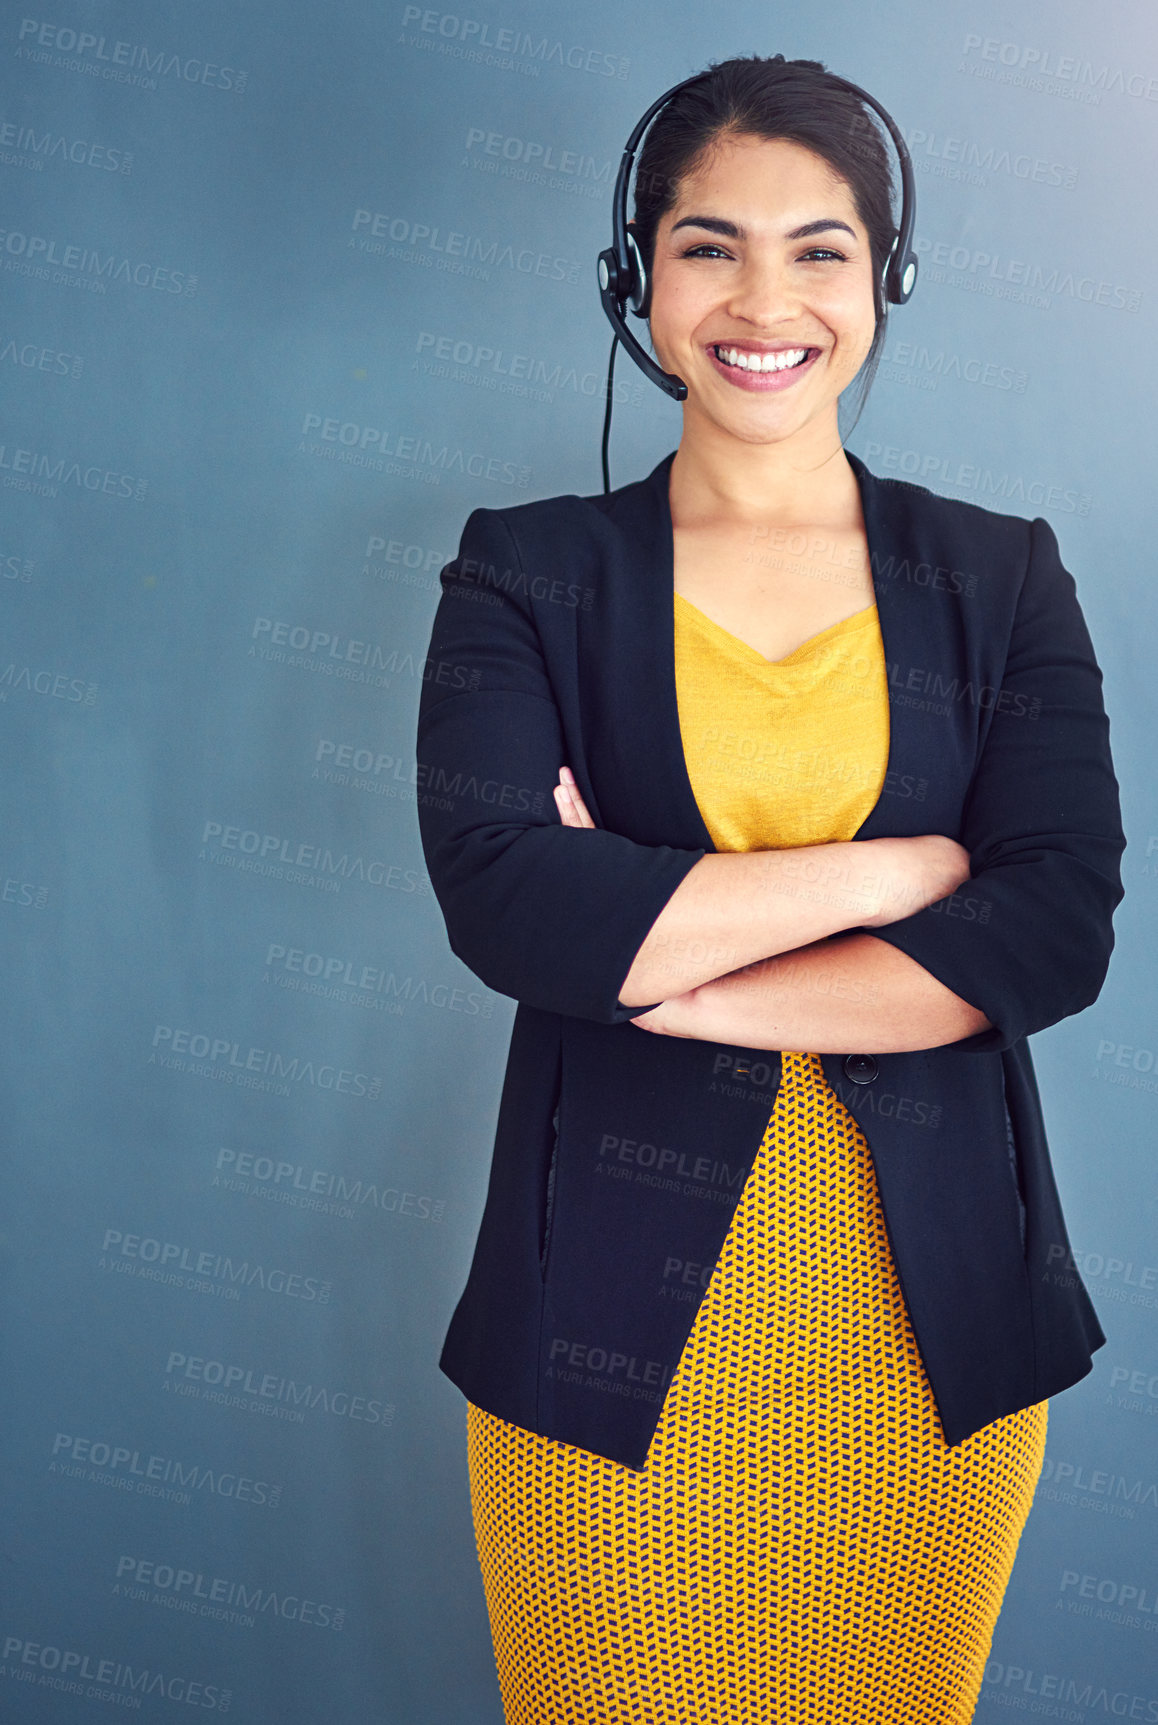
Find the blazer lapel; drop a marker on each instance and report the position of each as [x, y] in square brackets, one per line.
[918, 750]
[932, 742]
[627, 673]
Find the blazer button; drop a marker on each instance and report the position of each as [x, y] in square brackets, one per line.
[861, 1068]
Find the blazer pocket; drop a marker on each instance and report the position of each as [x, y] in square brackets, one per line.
[1014, 1169]
[551, 1154]
[549, 1193]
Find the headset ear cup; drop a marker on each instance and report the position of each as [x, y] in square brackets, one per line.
[639, 294]
[900, 275]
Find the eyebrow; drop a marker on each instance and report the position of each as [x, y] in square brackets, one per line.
[733, 231]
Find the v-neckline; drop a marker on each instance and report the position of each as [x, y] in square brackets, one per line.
[669, 805]
[754, 652]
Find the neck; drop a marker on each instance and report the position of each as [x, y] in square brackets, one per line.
[805, 479]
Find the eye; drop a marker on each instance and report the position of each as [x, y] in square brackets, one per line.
[824, 254]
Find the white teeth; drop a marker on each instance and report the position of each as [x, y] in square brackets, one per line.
[766, 362]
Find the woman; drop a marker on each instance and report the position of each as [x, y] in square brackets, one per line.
[757, 1343]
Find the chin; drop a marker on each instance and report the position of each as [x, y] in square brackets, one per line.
[759, 421]
[761, 434]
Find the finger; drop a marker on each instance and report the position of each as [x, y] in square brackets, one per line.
[579, 805]
[571, 789]
[567, 813]
[577, 815]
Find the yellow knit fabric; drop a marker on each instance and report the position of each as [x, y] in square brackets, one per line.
[802, 1548]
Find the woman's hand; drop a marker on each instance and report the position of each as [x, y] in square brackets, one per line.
[915, 873]
[572, 809]
[674, 1017]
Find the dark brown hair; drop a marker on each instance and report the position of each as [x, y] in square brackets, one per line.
[794, 99]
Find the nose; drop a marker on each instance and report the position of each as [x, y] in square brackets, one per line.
[763, 292]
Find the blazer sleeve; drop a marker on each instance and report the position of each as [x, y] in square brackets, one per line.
[550, 915]
[1042, 825]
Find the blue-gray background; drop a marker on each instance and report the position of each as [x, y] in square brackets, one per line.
[287, 291]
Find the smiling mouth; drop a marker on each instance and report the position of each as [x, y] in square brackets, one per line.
[744, 360]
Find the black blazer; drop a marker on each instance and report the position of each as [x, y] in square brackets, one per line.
[619, 1154]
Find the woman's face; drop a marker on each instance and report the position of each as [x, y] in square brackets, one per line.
[735, 278]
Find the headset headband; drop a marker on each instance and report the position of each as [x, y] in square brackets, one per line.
[623, 279]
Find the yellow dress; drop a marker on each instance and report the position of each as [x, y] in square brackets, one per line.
[803, 1547]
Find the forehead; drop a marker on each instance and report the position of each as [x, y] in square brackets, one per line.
[775, 174]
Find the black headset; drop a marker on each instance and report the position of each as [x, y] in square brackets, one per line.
[623, 278]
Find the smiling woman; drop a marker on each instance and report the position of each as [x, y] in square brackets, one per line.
[768, 329]
[758, 1337]
[730, 288]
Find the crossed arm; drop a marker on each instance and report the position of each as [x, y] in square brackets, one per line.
[767, 949]
[735, 947]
